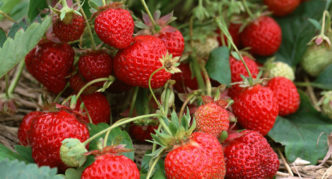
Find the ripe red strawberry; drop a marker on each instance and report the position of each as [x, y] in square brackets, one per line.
[77, 82]
[200, 157]
[184, 79]
[96, 64]
[25, 126]
[141, 133]
[286, 94]
[282, 7]
[135, 64]
[256, 108]
[97, 106]
[249, 155]
[234, 30]
[263, 36]
[115, 27]
[50, 64]
[69, 31]
[238, 69]
[48, 131]
[111, 166]
[212, 119]
[118, 87]
[172, 39]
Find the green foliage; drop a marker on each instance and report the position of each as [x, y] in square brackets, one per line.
[35, 7]
[8, 5]
[20, 170]
[300, 133]
[117, 136]
[218, 66]
[23, 42]
[159, 170]
[3, 37]
[324, 80]
[72, 173]
[22, 153]
[6, 153]
[25, 153]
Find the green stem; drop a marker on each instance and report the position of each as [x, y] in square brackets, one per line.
[93, 82]
[119, 123]
[15, 80]
[154, 145]
[133, 101]
[64, 3]
[247, 8]
[161, 121]
[7, 16]
[106, 138]
[207, 80]
[149, 13]
[197, 72]
[104, 2]
[322, 31]
[88, 27]
[150, 88]
[152, 167]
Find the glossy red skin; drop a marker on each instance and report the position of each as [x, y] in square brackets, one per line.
[172, 39]
[135, 64]
[97, 106]
[286, 94]
[184, 79]
[263, 36]
[249, 155]
[25, 126]
[111, 166]
[71, 31]
[201, 157]
[212, 119]
[238, 69]
[141, 133]
[50, 64]
[234, 30]
[256, 109]
[96, 64]
[115, 27]
[282, 7]
[48, 131]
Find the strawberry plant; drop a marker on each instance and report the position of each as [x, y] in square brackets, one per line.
[165, 89]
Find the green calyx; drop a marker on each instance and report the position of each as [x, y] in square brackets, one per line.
[72, 152]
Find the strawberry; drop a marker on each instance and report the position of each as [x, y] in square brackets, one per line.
[69, 31]
[95, 64]
[204, 48]
[111, 166]
[48, 131]
[282, 7]
[184, 79]
[212, 119]
[135, 64]
[286, 94]
[200, 157]
[25, 126]
[118, 87]
[234, 30]
[281, 69]
[115, 27]
[327, 104]
[263, 36]
[77, 82]
[238, 69]
[256, 108]
[172, 39]
[97, 106]
[50, 64]
[141, 133]
[249, 155]
[316, 59]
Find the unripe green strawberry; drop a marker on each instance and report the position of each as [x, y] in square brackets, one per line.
[203, 49]
[280, 69]
[327, 104]
[316, 59]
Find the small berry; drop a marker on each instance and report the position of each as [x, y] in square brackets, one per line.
[327, 104]
[70, 31]
[204, 48]
[316, 59]
[282, 7]
[280, 69]
[172, 39]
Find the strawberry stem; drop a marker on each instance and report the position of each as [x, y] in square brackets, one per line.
[13, 84]
[184, 105]
[197, 72]
[244, 2]
[7, 16]
[119, 123]
[150, 15]
[207, 80]
[152, 167]
[133, 101]
[104, 3]
[110, 78]
[153, 95]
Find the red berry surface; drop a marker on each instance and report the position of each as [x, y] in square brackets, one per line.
[234, 30]
[71, 31]
[286, 94]
[201, 157]
[282, 7]
[25, 126]
[111, 166]
[238, 68]
[48, 131]
[115, 27]
[50, 64]
[172, 39]
[77, 82]
[135, 64]
[97, 106]
[256, 108]
[250, 156]
[184, 79]
[263, 36]
[141, 133]
[212, 118]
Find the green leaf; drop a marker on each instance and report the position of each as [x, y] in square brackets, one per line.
[95, 3]
[324, 79]
[19, 11]
[218, 65]
[35, 7]
[8, 5]
[17, 26]
[6, 153]
[117, 136]
[297, 31]
[14, 50]
[159, 172]
[25, 153]
[300, 133]
[72, 173]
[3, 37]
[20, 170]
